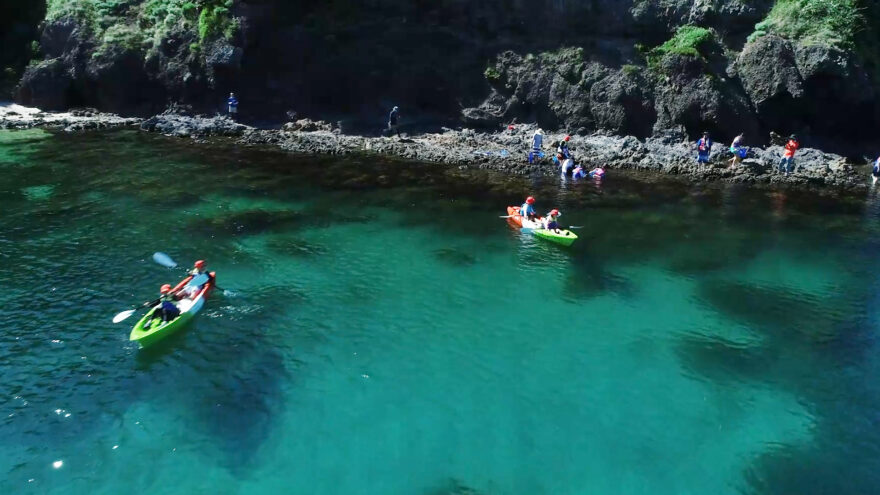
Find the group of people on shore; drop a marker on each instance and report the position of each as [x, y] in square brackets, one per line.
[740, 152]
[563, 158]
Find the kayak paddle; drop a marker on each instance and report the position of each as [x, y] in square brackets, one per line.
[127, 314]
[164, 260]
[123, 315]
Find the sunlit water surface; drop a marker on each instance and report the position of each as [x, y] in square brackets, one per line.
[384, 332]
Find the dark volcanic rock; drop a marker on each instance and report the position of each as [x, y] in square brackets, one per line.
[46, 85]
[175, 124]
[769, 73]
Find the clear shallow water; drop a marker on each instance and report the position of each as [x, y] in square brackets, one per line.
[387, 333]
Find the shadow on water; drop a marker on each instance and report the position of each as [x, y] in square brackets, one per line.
[231, 386]
[809, 346]
[587, 278]
[454, 257]
[780, 312]
[452, 487]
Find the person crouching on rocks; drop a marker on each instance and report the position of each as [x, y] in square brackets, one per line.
[562, 152]
[232, 106]
[704, 148]
[739, 152]
[787, 163]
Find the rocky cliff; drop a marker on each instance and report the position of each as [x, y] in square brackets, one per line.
[626, 66]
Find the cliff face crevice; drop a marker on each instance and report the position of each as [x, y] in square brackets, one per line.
[625, 66]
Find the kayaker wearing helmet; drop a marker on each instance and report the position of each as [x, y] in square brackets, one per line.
[200, 268]
[552, 220]
[787, 163]
[166, 310]
[527, 210]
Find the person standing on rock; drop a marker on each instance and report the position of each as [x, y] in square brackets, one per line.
[875, 171]
[704, 148]
[537, 145]
[232, 105]
[787, 163]
[394, 121]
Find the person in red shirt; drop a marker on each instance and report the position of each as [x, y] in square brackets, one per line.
[787, 163]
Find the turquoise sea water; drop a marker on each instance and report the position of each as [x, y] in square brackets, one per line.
[384, 332]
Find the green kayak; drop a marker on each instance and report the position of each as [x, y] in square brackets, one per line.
[564, 237]
[148, 330]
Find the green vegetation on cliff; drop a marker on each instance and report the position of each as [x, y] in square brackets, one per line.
[143, 24]
[690, 41]
[832, 22]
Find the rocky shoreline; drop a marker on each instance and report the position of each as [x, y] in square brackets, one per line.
[670, 153]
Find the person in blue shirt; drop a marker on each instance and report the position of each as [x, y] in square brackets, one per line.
[232, 104]
[578, 172]
[167, 310]
[394, 121]
[704, 148]
[527, 210]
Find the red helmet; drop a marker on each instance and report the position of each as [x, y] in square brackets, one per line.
[530, 200]
[165, 289]
[567, 138]
[200, 264]
[554, 212]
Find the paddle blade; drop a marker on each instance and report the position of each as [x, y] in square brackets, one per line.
[197, 281]
[164, 260]
[123, 316]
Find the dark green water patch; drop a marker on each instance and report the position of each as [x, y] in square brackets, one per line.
[784, 312]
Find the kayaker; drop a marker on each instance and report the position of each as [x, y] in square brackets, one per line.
[200, 267]
[166, 310]
[552, 220]
[527, 210]
[787, 163]
[704, 148]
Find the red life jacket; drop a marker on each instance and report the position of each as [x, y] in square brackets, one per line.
[790, 149]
